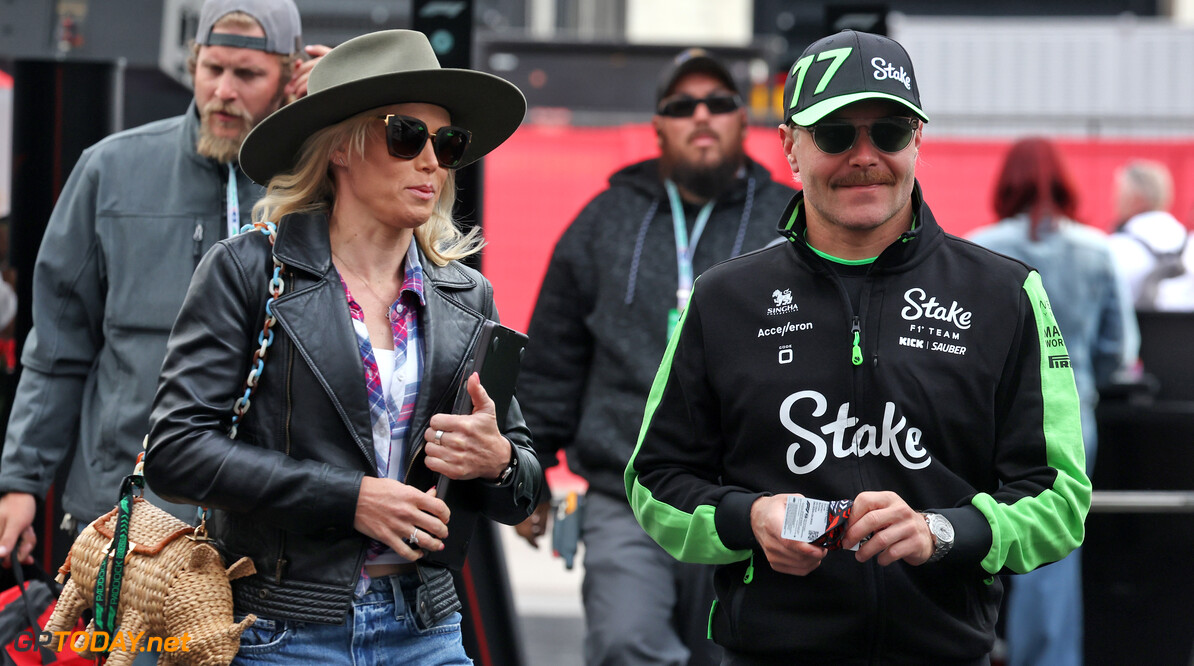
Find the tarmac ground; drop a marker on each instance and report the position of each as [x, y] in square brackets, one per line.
[547, 600]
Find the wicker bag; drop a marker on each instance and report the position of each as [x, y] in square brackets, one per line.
[155, 582]
[175, 595]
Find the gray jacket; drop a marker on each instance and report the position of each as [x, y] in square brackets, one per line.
[140, 209]
[599, 327]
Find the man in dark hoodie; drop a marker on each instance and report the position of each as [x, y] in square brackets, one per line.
[618, 279]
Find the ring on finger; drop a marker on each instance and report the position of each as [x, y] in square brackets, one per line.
[413, 539]
[438, 435]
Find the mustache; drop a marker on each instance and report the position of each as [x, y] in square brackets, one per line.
[216, 106]
[700, 132]
[867, 177]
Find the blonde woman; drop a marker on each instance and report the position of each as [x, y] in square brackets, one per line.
[329, 484]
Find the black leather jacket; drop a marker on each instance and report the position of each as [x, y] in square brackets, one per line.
[285, 491]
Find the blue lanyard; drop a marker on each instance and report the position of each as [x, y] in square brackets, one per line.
[233, 202]
[685, 249]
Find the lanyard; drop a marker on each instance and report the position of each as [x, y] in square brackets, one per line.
[684, 248]
[233, 202]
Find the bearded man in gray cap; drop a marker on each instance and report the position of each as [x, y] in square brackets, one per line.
[866, 423]
[140, 209]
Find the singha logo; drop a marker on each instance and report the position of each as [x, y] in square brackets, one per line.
[783, 303]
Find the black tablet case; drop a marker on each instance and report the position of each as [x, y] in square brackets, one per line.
[497, 357]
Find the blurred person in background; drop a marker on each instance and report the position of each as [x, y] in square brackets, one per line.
[1036, 199]
[618, 279]
[135, 217]
[1151, 247]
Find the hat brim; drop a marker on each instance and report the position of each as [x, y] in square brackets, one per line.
[488, 106]
[816, 112]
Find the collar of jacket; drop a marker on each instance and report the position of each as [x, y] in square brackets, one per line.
[907, 251]
[303, 243]
[447, 328]
[645, 176]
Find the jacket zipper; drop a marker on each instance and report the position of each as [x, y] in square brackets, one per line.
[856, 333]
[197, 236]
[280, 565]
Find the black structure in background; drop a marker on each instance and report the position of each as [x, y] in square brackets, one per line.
[449, 28]
[491, 632]
[51, 128]
[1136, 567]
[600, 82]
[802, 23]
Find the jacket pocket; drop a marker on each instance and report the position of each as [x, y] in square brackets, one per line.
[147, 267]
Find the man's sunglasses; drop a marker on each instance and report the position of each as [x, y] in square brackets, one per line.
[406, 136]
[684, 107]
[890, 135]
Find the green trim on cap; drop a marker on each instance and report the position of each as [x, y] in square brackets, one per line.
[816, 112]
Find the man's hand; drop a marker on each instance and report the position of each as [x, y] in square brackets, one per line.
[297, 86]
[896, 531]
[784, 555]
[17, 511]
[536, 525]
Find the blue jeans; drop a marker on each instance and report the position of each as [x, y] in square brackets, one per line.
[381, 628]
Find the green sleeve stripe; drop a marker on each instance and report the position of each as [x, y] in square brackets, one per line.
[1045, 528]
[689, 537]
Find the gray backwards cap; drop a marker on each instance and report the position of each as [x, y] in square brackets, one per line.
[278, 18]
[845, 68]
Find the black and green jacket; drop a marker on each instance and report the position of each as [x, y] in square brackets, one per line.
[955, 393]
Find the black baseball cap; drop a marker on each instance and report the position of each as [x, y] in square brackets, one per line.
[690, 61]
[279, 20]
[845, 68]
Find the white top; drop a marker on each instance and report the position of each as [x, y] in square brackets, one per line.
[1163, 233]
[385, 368]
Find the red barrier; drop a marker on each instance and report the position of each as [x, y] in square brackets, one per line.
[541, 178]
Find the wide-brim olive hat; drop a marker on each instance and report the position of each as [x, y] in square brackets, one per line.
[375, 70]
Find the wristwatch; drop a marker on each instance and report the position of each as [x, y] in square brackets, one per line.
[511, 467]
[943, 535]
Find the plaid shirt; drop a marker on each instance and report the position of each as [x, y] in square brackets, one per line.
[390, 416]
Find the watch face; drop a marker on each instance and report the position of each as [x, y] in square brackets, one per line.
[941, 527]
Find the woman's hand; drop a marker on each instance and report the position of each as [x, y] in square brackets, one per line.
[393, 512]
[468, 446]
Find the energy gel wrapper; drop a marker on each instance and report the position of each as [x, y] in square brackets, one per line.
[819, 522]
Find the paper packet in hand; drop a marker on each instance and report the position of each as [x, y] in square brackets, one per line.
[819, 522]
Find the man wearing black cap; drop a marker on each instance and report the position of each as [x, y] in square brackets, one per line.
[865, 424]
[617, 281]
[139, 210]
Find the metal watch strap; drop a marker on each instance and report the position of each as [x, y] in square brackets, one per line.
[943, 535]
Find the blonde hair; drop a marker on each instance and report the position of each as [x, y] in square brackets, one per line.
[308, 187]
[1151, 181]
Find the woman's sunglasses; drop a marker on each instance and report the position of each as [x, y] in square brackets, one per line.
[890, 135]
[684, 107]
[406, 136]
